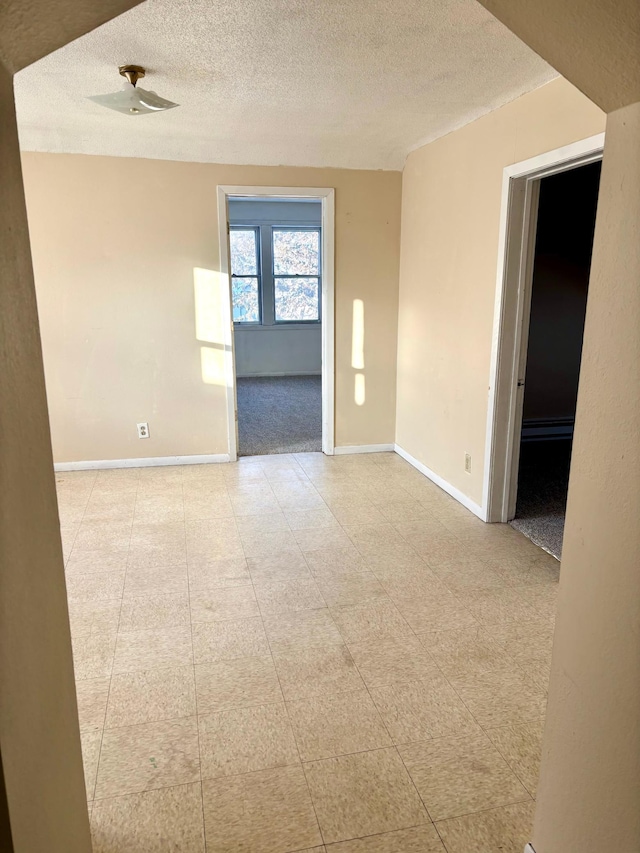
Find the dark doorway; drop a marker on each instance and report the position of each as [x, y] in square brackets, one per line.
[564, 242]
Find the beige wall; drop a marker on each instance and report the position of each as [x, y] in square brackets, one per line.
[115, 242]
[589, 792]
[449, 253]
[589, 788]
[39, 733]
[593, 43]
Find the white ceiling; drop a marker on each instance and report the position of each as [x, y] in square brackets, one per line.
[349, 83]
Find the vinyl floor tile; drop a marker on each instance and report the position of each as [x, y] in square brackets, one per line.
[150, 822]
[242, 740]
[233, 638]
[151, 755]
[503, 830]
[151, 695]
[457, 776]
[423, 709]
[238, 683]
[269, 811]
[363, 794]
[316, 670]
[394, 660]
[318, 639]
[301, 628]
[326, 726]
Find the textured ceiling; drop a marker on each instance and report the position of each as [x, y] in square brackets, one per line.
[349, 83]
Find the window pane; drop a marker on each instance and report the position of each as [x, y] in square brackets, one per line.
[244, 257]
[246, 307]
[296, 299]
[296, 252]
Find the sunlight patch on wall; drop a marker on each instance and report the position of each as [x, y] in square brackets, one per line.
[357, 351]
[357, 335]
[212, 365]
[211, 296]
[209, 293]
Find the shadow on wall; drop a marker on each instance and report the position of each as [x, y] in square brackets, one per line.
[211, 296]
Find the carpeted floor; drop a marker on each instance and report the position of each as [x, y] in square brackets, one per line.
[542, 493]
[279, 414]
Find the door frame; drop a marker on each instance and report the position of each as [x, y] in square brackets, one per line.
[512, 312]
[326, 195]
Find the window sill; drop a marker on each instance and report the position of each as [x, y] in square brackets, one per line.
[276, 327]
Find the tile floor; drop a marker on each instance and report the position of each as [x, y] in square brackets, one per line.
[299, 653]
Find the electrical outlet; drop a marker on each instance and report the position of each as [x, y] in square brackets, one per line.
[143, 430]
[467, 462]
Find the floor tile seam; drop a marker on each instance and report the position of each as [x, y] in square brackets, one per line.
[147, 791]
[463, 676]
[115, 646]
[243, 707]
[264, 631]
[149, 722]
[378, 712]
[487, 728]
[227, 660]
[230, 776]
[193, 668]
[404, 542]
[346, 693]
[528, 799]
[193, 716]
[415, 787]
[84, 512]
[442, 841]
[392, 683]
[486, 751]
[508, 761]
[234, 487]
[295, 739]
[374, 835]
[472, 715]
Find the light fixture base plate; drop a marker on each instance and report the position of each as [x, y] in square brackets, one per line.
[133, 73]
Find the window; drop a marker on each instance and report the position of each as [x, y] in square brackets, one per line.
[296, 274]
[276, 274]
[245, 275]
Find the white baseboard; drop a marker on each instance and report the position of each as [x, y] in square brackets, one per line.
[529, 849]
[363, 448]
[472, 506]
[144, 462]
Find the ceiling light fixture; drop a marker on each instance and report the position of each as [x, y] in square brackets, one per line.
[130, 100]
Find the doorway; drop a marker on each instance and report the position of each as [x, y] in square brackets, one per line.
[277, 251]
[546, 237]
[565, 226]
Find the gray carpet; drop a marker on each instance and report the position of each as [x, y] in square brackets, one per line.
[279, 414]
[543, 481]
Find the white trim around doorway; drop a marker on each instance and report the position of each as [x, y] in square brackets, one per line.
[326, 195]
[520, 188]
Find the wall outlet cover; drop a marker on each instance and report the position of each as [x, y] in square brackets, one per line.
[143, 430]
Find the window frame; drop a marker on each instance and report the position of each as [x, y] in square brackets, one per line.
[267, 277]
[318, 230]
[248, 324]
